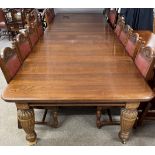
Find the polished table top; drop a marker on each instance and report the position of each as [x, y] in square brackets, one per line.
[78, 59]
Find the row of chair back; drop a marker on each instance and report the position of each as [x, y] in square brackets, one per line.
[12, 58]
[142, 55]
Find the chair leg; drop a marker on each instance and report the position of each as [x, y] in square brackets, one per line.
[98, 117]
[144, 113]
[55, 118]
[110, 116]
[44, 116]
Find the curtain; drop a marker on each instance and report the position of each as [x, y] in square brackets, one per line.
[138, 18]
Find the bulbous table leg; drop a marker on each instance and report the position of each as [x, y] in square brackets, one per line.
[128, 118]
[27, 121]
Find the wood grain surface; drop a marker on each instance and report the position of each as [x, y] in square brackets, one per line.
[78, 59]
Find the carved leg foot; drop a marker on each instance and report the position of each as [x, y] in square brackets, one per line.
[98, 117]
[128, 118]
[27, 121]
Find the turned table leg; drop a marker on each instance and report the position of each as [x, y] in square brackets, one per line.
[27, 121]
[128, 118]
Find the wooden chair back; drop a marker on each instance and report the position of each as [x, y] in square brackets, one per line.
[49, 15]
[3, 21]
[133, 44]
[34, 21]
[124, 34]
[145, 61]
[9, 62]
[33, 35]
[18, 16]
[2, 16]
[120, 25]
[40, 30]
[112, 17]
[31, 18]
[23, 45]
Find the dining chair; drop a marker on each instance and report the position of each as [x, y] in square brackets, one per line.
[112, 18]
[124, 34]
[119, 26]
[49, 15]
[32, 34]
[31, 17]
[34, 19]
[145, 61]
[9, 62]
[23, 45]
[4, 28]
[40, 29]
[18, 17]
[133, 44]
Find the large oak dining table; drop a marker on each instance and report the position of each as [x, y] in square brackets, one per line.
[78, 62]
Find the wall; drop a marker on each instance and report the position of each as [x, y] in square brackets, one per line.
[78, 10]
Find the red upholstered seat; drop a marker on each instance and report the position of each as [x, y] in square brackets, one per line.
[13, 65]
[120, 25]
[142, 64]
[23, 44]
[117, 30]
[2, 25]
[9, 62]
[25, 49]
[123, 37]
[130, 48]
[33, 38]
[133, 44]
[145, 62]
[112, 17]
[126, 31]
[40, 30]
[2, 17]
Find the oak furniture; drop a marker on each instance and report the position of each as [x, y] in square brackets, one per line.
[4, 26]
[124, 34]
[133, 44]
[146, 111]
[49, 15]
[112, 17]
[78, 62]
[23, 45]
[120, 25]
[9, 62]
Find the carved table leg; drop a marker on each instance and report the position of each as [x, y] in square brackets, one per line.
[19, 125]
[128, 118]
[98, 117]
[27, 121]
